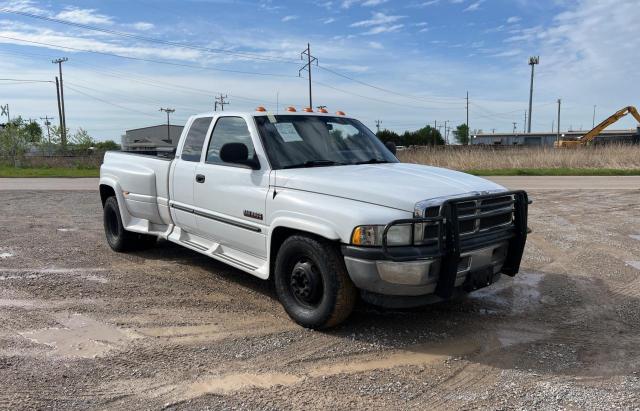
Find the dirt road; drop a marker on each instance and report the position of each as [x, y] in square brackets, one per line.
[83, 327]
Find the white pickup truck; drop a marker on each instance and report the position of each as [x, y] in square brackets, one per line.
[317, 203]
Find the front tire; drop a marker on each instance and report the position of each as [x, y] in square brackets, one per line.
[312, 282]
[118, 238]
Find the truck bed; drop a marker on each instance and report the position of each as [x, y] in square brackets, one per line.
[143, 180]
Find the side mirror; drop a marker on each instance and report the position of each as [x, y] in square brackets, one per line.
[237, 153]
[391, 146]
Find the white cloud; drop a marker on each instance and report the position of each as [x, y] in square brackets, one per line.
[376, 20]
[288, 18]
[421, 24]
[84, 16]
[143, 26]
[329, 20]
[513, 19]
[370, 3]
[429, 3]
[28, 6]
[375, 45]
[508, 53]
[473, 6]
[383, 29]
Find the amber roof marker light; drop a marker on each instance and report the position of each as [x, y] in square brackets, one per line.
[340, 113]
[261, 109]
[308, 110]
[291, 109]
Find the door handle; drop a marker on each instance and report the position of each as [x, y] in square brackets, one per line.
[199, 178]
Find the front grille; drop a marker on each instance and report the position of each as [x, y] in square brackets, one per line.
[475, 216]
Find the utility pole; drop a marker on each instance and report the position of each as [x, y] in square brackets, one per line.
[446, 134]
[220, 101]
[378, 122]
[558, 127]
[532, 62]
[306, 54]
[553, 123]
[168, 111]
[514, 128]
[60, 86]
[525, 122]
[47, 123]
[593, 123]
[468, 130]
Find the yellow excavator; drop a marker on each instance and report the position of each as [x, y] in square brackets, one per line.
[591, 135]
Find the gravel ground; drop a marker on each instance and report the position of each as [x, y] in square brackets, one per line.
[83, 327]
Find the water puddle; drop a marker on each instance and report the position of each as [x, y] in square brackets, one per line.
[635, 236]
[509, 337]
[31, 273]
[80, 336]
[236, 382]
[7, 302]
[634, 264]
[67, 230]
[418, 355]
[5, 255]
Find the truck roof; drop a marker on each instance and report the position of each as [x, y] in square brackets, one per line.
[266, 113]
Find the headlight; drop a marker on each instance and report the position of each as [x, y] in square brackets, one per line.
[371, 235]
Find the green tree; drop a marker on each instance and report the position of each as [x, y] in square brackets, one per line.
[81, 139]
[34, 131]
[461, 134]
[14, 141]
[107, 145]
[388, 135]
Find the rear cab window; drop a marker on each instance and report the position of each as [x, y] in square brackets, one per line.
[192, 148]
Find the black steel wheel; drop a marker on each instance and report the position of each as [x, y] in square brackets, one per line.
[312, 282]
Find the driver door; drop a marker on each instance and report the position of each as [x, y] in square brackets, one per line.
[230, 198]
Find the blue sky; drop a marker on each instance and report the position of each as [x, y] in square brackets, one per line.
[406, 63]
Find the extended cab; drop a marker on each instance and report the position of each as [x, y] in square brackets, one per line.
[317, 203]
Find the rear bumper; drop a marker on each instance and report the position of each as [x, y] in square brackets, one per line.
[420, 277]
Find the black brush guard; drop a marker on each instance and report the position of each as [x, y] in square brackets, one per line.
[448, 245]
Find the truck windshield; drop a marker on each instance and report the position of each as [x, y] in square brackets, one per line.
[294, 141]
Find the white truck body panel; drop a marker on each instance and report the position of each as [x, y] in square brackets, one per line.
[232, 214]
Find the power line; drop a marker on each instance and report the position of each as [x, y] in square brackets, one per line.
[251, 56]
[104, 53]
[430, 100]
[109, 102]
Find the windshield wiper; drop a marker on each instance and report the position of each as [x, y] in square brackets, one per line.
[373, 161]
[315, 163]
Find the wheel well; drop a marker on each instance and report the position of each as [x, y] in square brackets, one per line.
[106, 192]
[282, 233]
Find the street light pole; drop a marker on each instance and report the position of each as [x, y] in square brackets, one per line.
[168, 111]
[532, 62]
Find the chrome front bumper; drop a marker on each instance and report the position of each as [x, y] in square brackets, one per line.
[420, 277]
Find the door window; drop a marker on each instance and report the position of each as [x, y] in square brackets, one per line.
[228, 130]
[192, 148]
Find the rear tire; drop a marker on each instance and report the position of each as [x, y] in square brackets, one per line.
[118, 238]
[312, 282]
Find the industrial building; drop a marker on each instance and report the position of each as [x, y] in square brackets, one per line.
[161, 138]
[547, 139]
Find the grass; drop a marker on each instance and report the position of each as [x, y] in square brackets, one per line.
[596, 160]
[8, 171]
[554, 172]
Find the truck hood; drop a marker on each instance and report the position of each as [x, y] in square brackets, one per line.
[395, 185]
